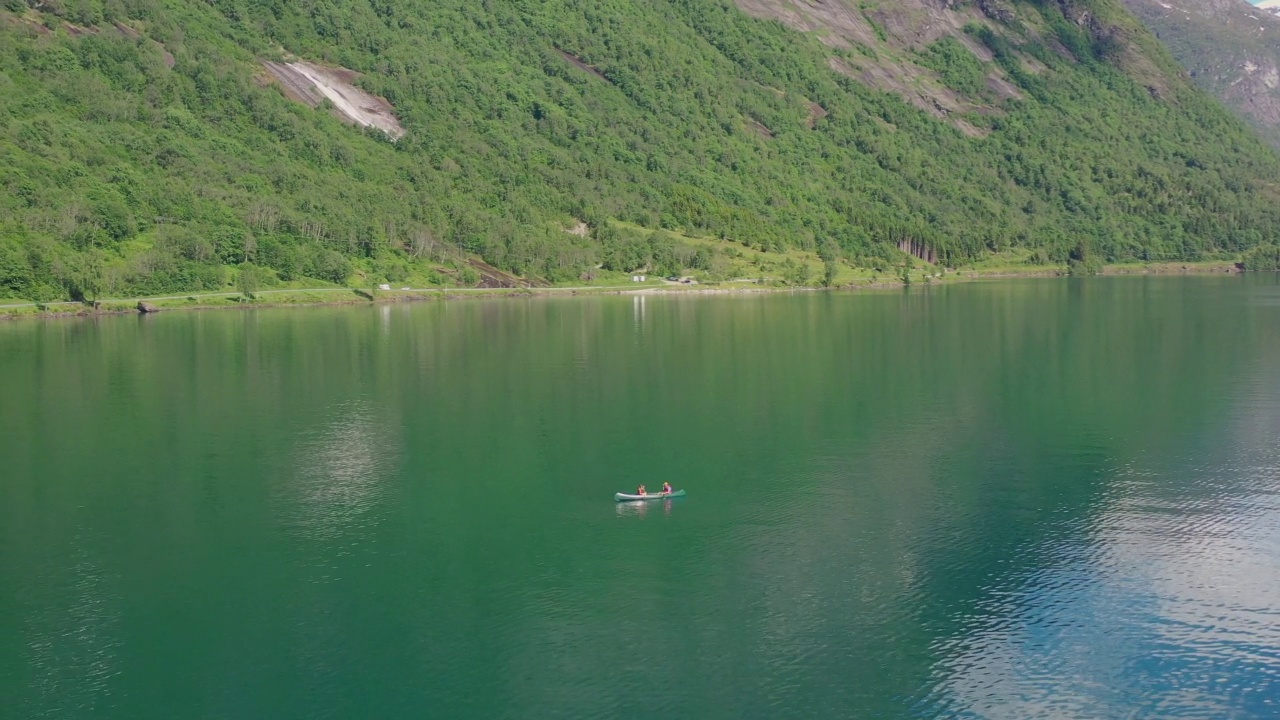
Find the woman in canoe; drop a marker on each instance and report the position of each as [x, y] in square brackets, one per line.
[666, 488]
[640, 491]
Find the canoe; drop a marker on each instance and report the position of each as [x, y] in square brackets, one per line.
[623, 497]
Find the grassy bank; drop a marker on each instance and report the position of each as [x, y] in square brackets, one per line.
[847, 278]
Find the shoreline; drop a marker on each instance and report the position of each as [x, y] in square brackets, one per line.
[314, 297]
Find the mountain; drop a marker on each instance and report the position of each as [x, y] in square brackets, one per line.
[1231, 48]
[157, 146]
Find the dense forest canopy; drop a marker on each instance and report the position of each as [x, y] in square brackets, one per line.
[144, 149]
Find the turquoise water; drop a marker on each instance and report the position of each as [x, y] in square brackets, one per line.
[1045, 498]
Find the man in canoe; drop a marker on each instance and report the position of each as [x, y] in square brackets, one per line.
[666, 488]
[640, 491]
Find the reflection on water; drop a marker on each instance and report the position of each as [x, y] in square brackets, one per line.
[72, 639]
[340, 472]
[1182, 603]
[640, 509]
[1166, 606]
[637, 311]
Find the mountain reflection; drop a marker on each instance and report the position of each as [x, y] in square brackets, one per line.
[1174, 587]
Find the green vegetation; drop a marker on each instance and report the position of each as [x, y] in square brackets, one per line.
[959, 68]
[143, 151]
[1263, 257]
[1080, 261]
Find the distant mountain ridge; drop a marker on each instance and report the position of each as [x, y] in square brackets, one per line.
[1231, 49]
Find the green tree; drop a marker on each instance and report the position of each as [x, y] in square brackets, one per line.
[798, 273]
[249, 280]
[82, 275]
[1263, 258]
[1081, 261]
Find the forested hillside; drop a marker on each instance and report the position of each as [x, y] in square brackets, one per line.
[144, 147]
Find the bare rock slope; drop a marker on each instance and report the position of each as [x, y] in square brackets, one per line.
[891, 31]
[880, 43]
[315, 84]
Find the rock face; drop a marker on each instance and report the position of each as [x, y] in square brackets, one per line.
[879, 43]
[1231, 49]
[147, 308]
[892, 32]
[314, 84]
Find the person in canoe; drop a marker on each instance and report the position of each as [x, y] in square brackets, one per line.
[640, 491]
[666, 488]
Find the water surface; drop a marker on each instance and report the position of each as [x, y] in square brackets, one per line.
[1009, 500]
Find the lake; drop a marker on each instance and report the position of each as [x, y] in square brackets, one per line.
[1015, 499]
